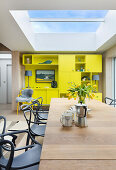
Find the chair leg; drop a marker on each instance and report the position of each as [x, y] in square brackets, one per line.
[32, 106]
[27, 142]
[17, 108]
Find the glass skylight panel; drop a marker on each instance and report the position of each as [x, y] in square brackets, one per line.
[67, 13]
[66, 27]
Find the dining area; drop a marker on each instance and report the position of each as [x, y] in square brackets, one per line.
[90, 147]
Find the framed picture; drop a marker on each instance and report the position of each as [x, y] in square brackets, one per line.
[45, 75]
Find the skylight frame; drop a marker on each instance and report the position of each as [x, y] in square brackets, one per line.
[67, 20]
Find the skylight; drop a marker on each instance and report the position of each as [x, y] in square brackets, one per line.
[66, 27]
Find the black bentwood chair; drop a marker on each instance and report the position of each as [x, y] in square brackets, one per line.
[110, 101]
[28, 160]
[39, 113]
[35, 126]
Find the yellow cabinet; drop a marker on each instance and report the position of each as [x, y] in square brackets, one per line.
[46, 93]
[52, 93]
[98, 96]
[67, 79]
[94, 63]
[40, 93]
[66, 62]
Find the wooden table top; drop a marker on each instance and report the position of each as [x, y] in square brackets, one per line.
[93, 147]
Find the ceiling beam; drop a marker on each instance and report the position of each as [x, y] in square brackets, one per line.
[67, 20]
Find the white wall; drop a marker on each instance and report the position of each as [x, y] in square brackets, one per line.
[22, 19]
[5, 59]
[66, 41]
[107, 29]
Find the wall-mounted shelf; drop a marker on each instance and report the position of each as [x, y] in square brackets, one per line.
[37, 59]
[27, 60]
[69, 69]
[80, 62]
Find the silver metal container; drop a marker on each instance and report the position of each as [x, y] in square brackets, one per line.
[81, 112]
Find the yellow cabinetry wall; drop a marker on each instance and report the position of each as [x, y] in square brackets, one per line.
[46, 93]
[67, 79]
[69, 69]
[40, 92]
[66, 62]
[32, 79]
[94, 63]
[98, 96]
[52, 93]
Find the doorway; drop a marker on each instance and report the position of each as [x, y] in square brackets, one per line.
[5, 78]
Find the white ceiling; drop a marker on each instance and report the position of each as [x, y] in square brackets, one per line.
[12, 36]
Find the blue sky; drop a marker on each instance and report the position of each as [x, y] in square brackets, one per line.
[66, 27]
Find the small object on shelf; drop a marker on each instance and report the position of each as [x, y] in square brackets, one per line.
[28, 60]
[77, 70]
[46, 62]
[54, 84]
[79, 59]
[84, 78]
[81, 69]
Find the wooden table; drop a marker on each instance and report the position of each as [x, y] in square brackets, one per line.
[73, 148]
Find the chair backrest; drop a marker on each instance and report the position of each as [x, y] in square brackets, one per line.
[27, 93]
[4, 124]
[3, 143]
[110, 101]
[10, 159]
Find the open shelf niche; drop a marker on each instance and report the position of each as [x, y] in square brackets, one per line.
[80, 63]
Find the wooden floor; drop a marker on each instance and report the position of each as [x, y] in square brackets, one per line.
[5, 110]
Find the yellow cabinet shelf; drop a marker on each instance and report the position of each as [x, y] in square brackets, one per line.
[40, 59]
[69, 69]
[80, 62]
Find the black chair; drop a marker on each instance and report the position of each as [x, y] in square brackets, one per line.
[39, 112]
[35, 127]
[28, 160]
[14, 137]
[110, 101]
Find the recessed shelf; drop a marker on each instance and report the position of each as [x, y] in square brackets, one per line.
[80, 62]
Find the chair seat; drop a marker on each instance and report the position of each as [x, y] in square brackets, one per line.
[36, 167]
[43, 116]
[38, 130]
[27, 159]
[22, 100]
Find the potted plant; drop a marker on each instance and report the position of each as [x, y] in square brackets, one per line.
[81, 91]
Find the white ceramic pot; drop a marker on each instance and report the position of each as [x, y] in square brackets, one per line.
[66, 119]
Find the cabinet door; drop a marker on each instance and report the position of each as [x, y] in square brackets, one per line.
[98, 96]
[52, 93]
[94, 63]
[66, 79]
[66, 62]
[40, 93]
